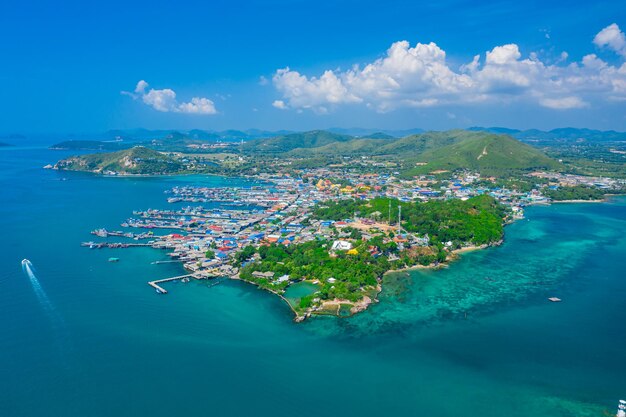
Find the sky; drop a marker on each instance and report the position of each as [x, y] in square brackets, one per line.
[80, 66]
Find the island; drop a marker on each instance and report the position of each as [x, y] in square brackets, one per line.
[323, 216]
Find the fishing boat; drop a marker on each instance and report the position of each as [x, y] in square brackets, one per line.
[114, 259]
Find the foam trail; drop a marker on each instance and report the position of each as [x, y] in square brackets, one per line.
[27, 267]
[61, 333]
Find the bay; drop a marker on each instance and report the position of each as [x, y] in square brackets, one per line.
[478, 338]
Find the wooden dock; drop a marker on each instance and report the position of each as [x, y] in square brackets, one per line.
[156, 286]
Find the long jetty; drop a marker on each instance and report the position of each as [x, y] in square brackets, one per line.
[101, 245]
[156, 286]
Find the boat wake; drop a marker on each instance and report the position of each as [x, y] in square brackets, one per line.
[29, 270]
[58, 323]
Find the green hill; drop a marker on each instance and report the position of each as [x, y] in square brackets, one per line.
[352, 147]
[487, 153]
[417, 144]
[285, 143]
[407, 146]
[134, 161]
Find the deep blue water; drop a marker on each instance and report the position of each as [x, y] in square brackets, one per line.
[476, 339]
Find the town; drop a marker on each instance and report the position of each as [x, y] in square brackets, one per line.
[249, 233]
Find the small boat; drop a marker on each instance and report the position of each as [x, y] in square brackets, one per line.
[158, 291]
[186, 279]
[554, 299]
[114, 259]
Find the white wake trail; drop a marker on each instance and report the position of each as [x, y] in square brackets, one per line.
[27, 267]
[56, 319]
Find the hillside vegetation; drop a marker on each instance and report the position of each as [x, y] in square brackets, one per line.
[477, 220]
[486, 153]
[285, 143]
[137, 160]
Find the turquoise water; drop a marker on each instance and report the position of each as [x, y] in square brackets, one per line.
[300, 289]
[475, 339]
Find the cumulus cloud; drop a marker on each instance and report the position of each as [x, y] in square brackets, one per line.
[613, 38]
[420, 76]
[165, 100]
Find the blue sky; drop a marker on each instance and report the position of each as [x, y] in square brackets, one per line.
[75, 67]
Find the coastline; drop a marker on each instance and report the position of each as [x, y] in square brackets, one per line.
[298, 318]
[327, 306]
[579, 201]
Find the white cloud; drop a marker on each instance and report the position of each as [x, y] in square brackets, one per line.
[165, 100]
[303, 92]
[613, 38]
[279, 104]
[563, 103]
[420, 76]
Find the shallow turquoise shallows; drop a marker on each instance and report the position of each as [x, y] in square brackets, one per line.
[88, 337]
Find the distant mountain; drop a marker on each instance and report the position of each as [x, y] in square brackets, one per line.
[134, 161]
[363, 132]
[13, 136]
[89, 145]
[379, 135]
[499, 130]
[563, 134]
[257, 133]
[203, 135]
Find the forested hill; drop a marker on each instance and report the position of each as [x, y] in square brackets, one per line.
[485, 152]
[305, 140]
[134, 161]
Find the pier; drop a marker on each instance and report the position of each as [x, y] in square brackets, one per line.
[156, 286]
[100, 245]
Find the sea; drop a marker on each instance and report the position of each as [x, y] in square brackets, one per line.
[81, 336]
